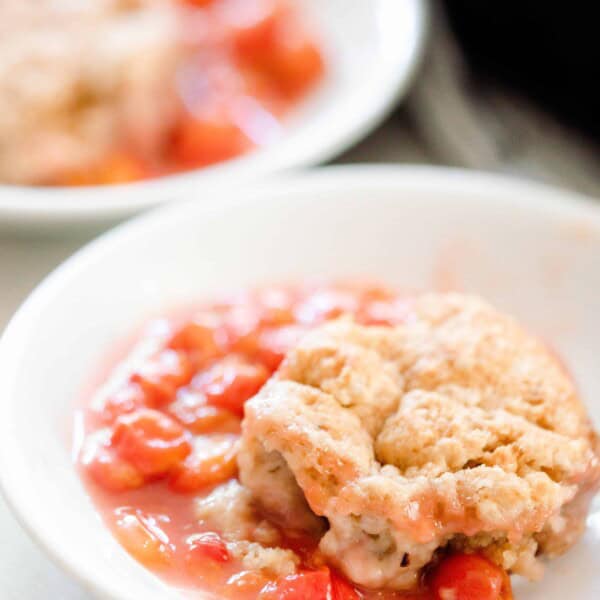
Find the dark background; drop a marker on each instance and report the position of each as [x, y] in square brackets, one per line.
[549, 51]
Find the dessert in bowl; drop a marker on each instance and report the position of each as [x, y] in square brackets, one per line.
[318, 439]
[118, 91]
[423, 445]
[153, 96]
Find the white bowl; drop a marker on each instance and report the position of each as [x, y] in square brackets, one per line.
[532, 250]
[371, 47]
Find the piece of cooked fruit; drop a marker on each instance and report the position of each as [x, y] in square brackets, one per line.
[455, 431]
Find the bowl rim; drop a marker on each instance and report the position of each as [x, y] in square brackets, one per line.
[541, 199]
[31, 206]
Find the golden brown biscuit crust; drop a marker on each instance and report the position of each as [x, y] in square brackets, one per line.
[457, 428]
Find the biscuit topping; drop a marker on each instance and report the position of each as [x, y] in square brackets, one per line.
[455, 430]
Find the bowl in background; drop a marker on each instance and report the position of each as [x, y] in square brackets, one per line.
[371, 50]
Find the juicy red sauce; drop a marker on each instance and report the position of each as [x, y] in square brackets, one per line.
[245, 65]
[165, 431]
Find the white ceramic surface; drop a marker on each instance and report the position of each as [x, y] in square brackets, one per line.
[532, 250]
[371, 47]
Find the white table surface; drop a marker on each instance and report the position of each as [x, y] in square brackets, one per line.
[25, 572]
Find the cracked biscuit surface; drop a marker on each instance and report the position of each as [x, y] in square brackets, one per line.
[457, 429]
